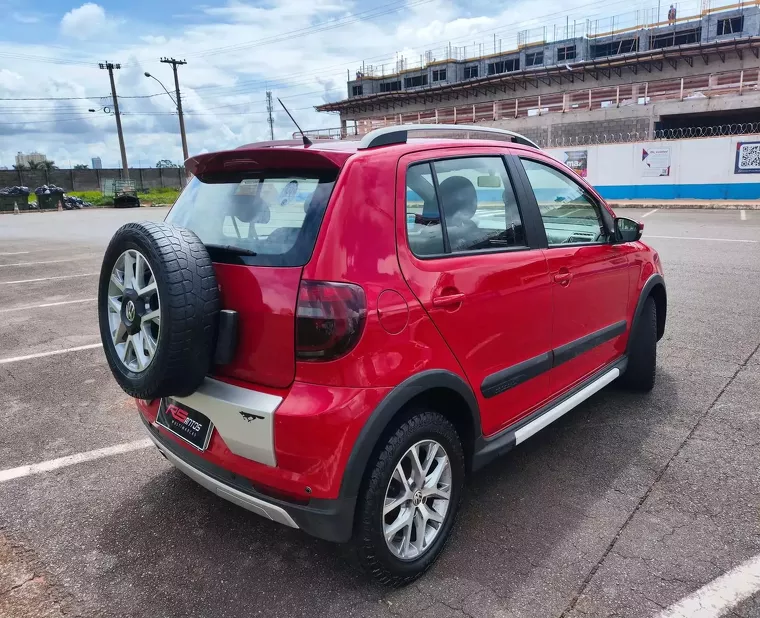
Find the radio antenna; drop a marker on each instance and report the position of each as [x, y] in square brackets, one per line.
[306, 141]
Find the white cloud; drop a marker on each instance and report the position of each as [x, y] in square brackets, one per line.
[84, 22]
[223, 92]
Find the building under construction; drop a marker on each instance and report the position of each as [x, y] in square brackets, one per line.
[622, 78]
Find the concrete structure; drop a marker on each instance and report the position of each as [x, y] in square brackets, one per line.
[627, 82]
[97, 164]
[33, 157]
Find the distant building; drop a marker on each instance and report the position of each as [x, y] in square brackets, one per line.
[647, 78]
[97, 164]
[32, 157]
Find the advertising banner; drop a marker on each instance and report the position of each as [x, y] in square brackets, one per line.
[577, 160]
[655, 162]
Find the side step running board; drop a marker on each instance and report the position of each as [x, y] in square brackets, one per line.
[568, 404]
[487, 449]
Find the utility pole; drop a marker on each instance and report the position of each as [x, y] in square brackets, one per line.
[271, 117]
[124, 165]
[175, 64]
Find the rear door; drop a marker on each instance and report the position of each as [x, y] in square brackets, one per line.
[470, 255]
[589, 274]
[259, 227]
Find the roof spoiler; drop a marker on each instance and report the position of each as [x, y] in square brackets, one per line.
[399, 134]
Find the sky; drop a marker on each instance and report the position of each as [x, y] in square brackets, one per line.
[235, 52]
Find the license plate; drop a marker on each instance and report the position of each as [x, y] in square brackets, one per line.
[186, 423]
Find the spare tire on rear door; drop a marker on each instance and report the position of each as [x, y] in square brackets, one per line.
[158, 305]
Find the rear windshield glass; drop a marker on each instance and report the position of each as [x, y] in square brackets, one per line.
[259, 220]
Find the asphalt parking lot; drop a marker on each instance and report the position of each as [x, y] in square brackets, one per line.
[621, 508]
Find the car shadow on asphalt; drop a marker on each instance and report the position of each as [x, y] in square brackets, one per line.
[531, 527]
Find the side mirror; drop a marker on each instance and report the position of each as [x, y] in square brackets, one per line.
[627, 230]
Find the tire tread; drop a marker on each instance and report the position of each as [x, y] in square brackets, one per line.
[373, 494]
[189, 305]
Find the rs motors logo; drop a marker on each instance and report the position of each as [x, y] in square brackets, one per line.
[180, 416]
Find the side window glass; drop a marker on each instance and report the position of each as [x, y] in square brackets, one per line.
[423, 217]
[480, 210]
[569, 216]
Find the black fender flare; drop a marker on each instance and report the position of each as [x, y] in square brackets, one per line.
[387, 410]
[653, 281]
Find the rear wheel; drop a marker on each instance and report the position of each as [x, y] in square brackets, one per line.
[410, 499]
[640, 374]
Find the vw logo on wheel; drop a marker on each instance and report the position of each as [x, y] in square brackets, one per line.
[130, 311]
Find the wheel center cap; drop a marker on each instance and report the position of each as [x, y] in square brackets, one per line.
[132, 310]
[417, 498]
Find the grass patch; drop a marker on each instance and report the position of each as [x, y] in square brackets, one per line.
[164, 195]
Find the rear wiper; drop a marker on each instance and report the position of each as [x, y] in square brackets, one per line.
[232, 249]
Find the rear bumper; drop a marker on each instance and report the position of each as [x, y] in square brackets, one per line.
[331, 520]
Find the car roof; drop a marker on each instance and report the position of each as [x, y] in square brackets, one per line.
[332, 153]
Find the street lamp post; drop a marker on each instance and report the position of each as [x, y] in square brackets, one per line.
[178, 104]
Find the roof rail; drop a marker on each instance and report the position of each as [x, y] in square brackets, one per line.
[399, 134]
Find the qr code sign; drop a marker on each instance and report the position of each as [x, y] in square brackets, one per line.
[747, 158]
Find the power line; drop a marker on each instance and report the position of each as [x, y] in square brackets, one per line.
[21, 122]
[107, 96]
[514, 29]
[330, 24]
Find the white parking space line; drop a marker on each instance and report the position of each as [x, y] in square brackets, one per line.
[720, 595]
[47, 278]
[651, 212]
[16, 359]
[15, 252]
[70, 460]
[46, 262]
[743, 215]
[698, 238]
[58, 304]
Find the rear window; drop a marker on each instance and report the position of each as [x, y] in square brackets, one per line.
[256, 219]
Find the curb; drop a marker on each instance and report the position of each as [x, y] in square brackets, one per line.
[688, 205]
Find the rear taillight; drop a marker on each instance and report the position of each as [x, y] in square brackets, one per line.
[329, 319]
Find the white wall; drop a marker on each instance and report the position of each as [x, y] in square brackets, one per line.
[700, 168]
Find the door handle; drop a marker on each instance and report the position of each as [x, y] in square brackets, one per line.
[563, 277]
[448, 300]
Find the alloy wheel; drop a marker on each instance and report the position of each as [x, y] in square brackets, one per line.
[134, 311]
[417, 500]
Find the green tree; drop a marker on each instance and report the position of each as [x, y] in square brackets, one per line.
[49, 165]
[81, 166]
[166, 163]
[20, 167]
[35, 165]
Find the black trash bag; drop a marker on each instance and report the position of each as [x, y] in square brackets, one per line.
[24, 191]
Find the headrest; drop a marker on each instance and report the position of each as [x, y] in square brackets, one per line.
[459, 198]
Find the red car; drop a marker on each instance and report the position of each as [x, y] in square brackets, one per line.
[334, 335]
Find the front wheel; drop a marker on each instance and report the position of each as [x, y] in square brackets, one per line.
[410, 499]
